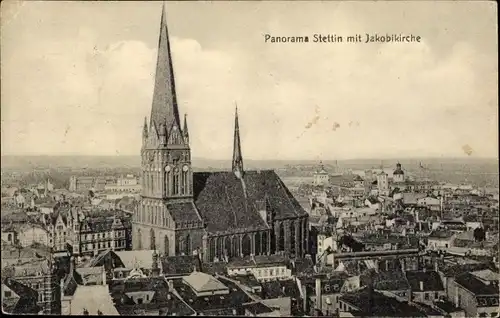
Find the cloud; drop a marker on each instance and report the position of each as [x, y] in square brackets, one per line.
[77, 96]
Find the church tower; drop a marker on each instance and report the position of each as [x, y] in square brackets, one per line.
[166, 176]
[166, 156]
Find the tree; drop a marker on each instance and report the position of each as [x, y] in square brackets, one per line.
[479, 234]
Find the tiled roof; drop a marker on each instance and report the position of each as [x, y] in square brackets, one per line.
[380, 305]
[228, 203]
[202, 282]
[163, 301]
[278, 289]
[183, 212]
[233, 300]
[93, 298]
[258, 260]
[91, 275]
[486, 275]
[142, 258]
[440, 234]
[33, 268]
[258, 308]
[476, 286]
[430, 279]
[215, 268]
[456, 270]
[27, 301]
[180, 265]
[447, 306]
[246, 280]
[385, 280]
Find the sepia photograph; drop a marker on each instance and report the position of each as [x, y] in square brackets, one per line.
[250, 158]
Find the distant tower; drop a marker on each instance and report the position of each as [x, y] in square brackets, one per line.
[237, 165]
[383, 183]
[321, 177]
[398, 175]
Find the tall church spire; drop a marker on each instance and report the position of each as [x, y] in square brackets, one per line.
[237, 156]
[164, 109]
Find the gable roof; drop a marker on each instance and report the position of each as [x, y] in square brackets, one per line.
[202, 282]
[228, 203]
[431, 281]
[27, 301]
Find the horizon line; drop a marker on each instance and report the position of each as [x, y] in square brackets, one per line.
[267, 159]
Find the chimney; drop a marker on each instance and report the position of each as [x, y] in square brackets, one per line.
[436, 267]
[421, 283]
[234, 312]
[318, 294]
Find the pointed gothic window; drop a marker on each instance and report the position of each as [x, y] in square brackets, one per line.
[167, 180]
[185, 180]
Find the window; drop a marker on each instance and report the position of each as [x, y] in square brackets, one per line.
[436, 295]
[426, 296]
[271, 272]
[7, 293]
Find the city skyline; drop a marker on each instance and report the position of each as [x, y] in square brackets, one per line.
[80, 82]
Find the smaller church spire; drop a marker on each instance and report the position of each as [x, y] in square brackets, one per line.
[237, 156]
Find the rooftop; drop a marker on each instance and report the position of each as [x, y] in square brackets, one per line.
[24, 300]
[476, 286]
[234, 299]
[93, 298]
[380, 305]
[431, 281]
[180, 265]
[201, 282]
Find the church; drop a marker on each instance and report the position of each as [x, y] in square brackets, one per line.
[218, 215]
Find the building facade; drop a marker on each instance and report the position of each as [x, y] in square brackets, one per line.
[102, 233]
[218, 214]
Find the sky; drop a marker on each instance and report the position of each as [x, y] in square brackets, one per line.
[77, 78]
